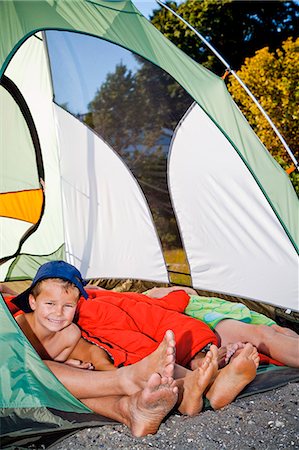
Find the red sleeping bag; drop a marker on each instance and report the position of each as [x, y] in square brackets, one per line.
[130, 326]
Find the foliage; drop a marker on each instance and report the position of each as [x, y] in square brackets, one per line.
[235, 28]
[127, 110]
[178, 266]
[113, 106]
[273, 78]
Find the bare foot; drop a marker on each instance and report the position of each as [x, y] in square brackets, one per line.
[232, 350]
[146, 409]
[161, 361]
[234, 377]
[196, 382]
[224, 355]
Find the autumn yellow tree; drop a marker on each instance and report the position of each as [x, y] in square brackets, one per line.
[273, 78]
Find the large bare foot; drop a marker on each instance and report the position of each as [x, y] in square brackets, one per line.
[145, 410]
[196, 382]
[161, 361]
[234, 377]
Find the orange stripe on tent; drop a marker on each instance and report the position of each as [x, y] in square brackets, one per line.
[290, 169]
[23, 205]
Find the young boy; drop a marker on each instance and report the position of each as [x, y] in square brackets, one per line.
[49, 324]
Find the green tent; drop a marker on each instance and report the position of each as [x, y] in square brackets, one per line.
[236, 211]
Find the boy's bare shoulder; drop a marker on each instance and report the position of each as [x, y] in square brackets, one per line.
[23, 321]
[72, 334]
[75, 330]
[68, 339]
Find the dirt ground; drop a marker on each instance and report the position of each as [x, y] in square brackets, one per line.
[262, 421]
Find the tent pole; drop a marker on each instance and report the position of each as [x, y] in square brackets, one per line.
[228, 68]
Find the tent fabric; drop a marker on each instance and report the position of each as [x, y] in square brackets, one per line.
[76, 187]
[22, 205]
[27, 69]
[15, 135]
[25, 266]
[245, 241]
[121, 23]
[106, 237]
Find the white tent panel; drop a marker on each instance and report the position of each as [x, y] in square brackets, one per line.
[234, 242]
[11, 230]
[15, 136]
[4, 268]
[110, 232]
[28, 69]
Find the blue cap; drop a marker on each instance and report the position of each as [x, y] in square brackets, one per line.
[52, 269]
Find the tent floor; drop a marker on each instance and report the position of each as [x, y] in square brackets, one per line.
[268, 378]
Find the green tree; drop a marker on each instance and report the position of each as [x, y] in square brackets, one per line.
[235, 28]
[113, 110]
[273, 78]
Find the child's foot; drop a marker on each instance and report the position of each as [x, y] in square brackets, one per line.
[234, 377]
[224, 355]
[161, 361]
[146, 409]
[195, 383]
[232, 350]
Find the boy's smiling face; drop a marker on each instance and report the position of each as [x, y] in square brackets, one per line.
[54, 307]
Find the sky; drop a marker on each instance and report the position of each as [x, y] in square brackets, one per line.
[146, 6]
[96, 58]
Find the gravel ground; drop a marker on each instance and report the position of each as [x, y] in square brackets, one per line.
[262, 421]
